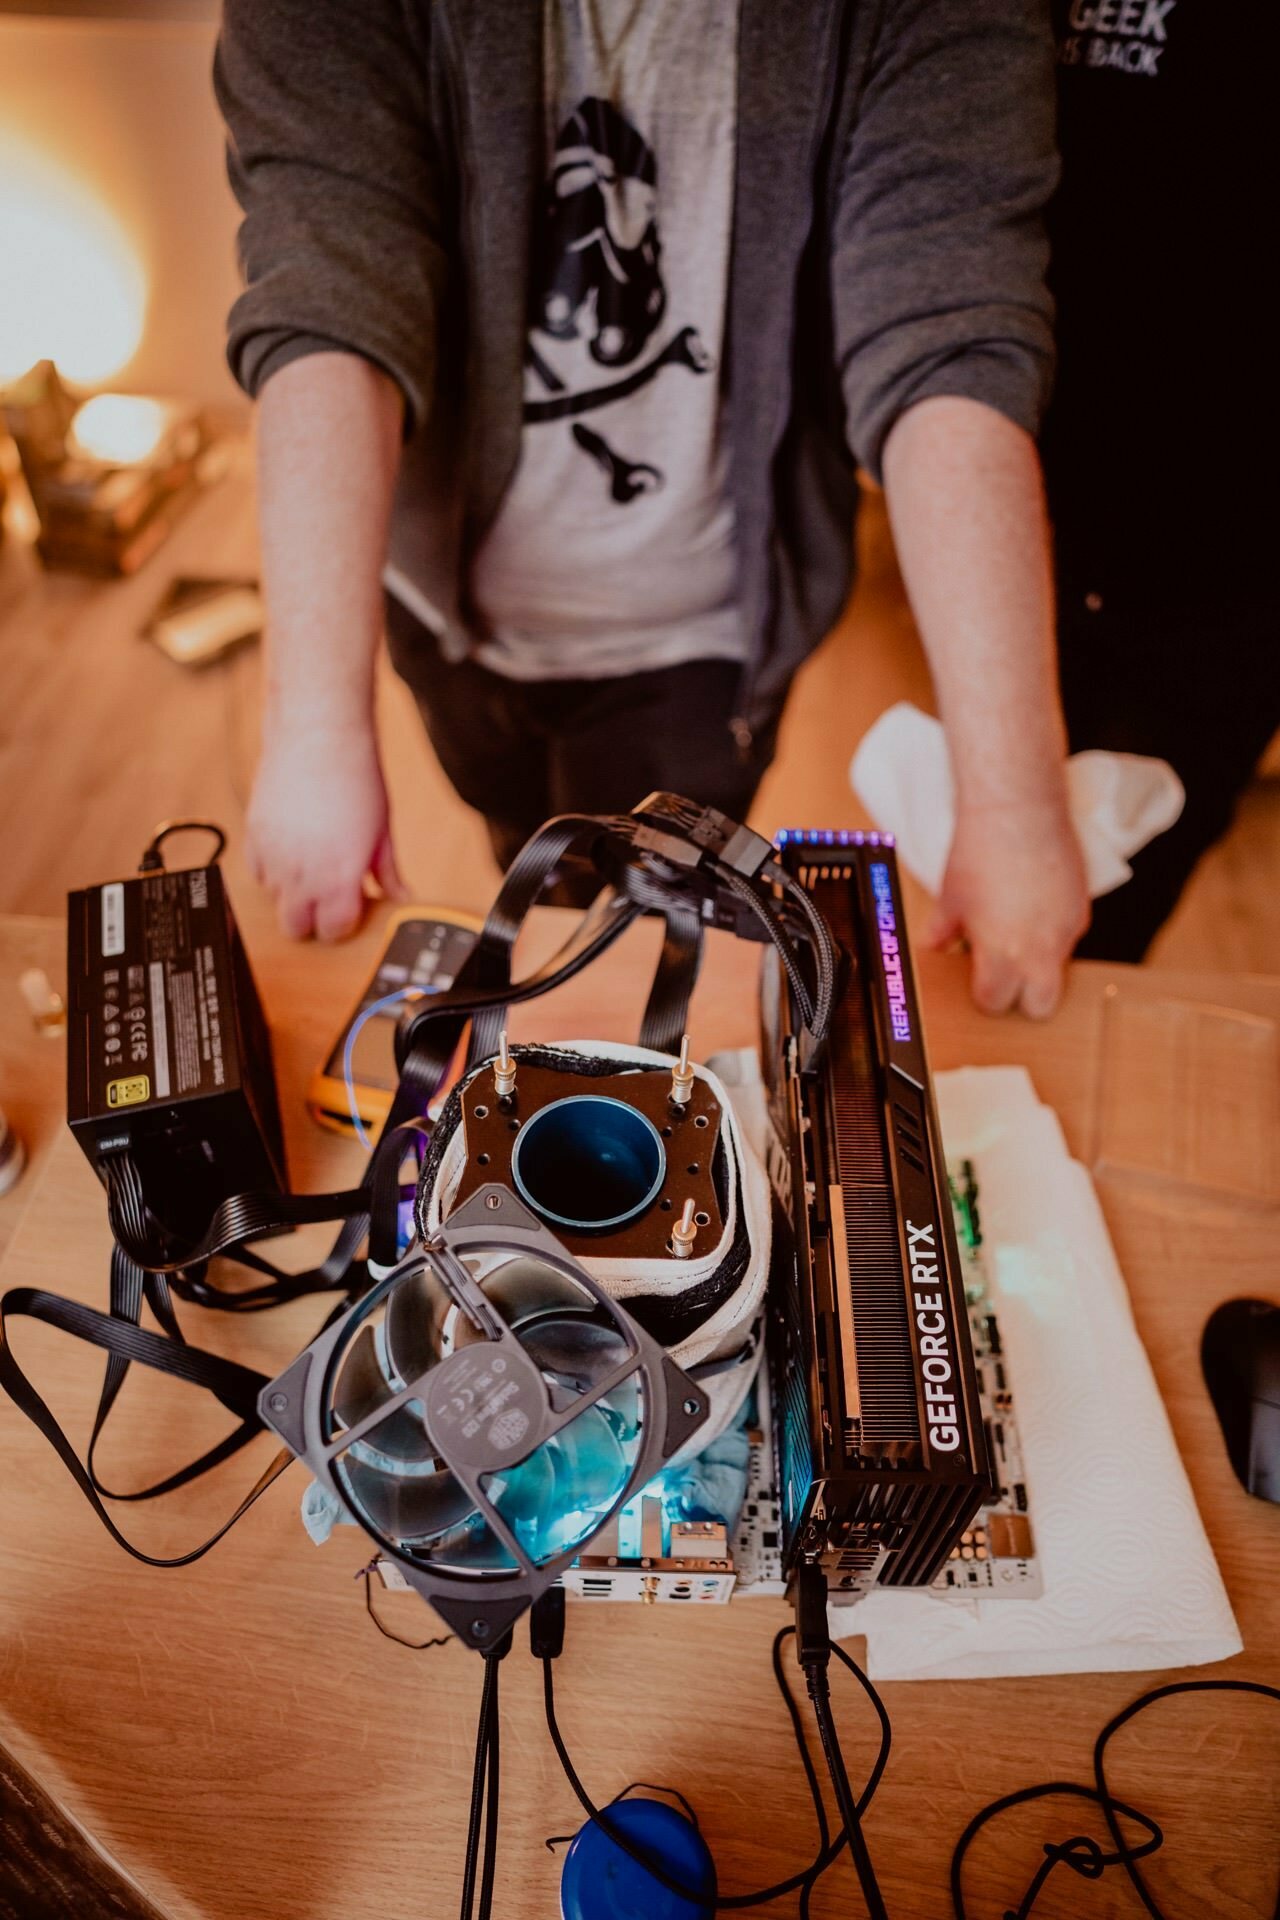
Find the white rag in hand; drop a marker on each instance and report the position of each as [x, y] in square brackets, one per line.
[902, 774]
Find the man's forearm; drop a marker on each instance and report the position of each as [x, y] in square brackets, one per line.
[329, 430]
[966, 502]
[967, 506]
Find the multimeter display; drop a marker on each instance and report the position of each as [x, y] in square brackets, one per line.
[423, 955]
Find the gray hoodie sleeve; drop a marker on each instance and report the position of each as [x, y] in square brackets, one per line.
[939, 254]
[331, 157]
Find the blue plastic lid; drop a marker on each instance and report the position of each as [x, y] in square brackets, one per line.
[600, 1882]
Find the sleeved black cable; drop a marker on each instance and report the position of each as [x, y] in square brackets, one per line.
[491, 1807]
[479, 1772]
[810, 1771]
[831, 1852]
[813, 1650]
[820, 1695]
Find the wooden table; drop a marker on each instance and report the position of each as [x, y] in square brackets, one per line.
[248, 1748]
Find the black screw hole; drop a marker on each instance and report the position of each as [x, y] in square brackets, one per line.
[482, 1159]
[703, 1219]
[481, 1113]
[666, 1133]
[666, 1206]
[514, 1125]
[692, 1167]
[699, 1120]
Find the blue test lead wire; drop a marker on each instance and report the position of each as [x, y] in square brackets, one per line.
[348, 1051]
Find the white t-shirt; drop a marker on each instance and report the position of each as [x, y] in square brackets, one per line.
[613, 550]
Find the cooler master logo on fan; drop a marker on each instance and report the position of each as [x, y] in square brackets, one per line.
[935, 1347]
[890, 952]
[598, 295]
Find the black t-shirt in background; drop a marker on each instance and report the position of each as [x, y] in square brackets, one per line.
[1161, 444]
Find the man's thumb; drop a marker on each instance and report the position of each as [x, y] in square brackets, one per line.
[943, 926]
[386, 872]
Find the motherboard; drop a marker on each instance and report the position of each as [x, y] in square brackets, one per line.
[998, 1554]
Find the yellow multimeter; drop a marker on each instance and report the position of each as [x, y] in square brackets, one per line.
[425, 948]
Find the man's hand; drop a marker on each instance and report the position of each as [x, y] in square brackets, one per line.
[317, 826]
[1015, 889]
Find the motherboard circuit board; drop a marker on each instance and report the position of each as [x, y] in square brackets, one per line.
[998, 1554]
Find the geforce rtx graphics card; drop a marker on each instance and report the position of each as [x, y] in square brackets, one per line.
[882, 1460]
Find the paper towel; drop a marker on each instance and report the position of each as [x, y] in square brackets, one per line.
[1130, 1580]
[902, 774]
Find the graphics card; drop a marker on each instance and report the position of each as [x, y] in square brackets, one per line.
[882, 1456]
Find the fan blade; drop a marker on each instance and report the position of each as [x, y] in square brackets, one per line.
[571, 1335]
[477, 1550]
[415, 1313]
[574, 1352]
[362, 1387]
[525, 1491]
[584, 1469]
[524, 1288]
[591, 1468]
[406, 1507]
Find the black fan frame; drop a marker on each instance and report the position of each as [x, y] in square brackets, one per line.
[479, 1607]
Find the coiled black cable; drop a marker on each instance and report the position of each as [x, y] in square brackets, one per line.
[1082, 1854]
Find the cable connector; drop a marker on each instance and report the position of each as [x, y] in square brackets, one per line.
[809, 1598]
[152, 860]
[546, 1624]
[689, 835]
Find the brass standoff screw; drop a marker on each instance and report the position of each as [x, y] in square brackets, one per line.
[504, 1069]
[682, 1077]
[684, 1233]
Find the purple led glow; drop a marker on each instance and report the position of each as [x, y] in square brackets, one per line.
[890, 950]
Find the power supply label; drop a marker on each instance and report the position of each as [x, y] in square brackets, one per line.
[155, 1009]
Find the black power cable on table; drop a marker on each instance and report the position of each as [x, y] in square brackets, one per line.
[484, 1795]
[1081, 1853]
[547, 1639]
[813, 1650]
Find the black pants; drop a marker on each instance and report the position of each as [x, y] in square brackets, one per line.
[521, 751]
[1196, 686]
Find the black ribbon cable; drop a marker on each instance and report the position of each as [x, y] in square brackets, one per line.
[235, 1386]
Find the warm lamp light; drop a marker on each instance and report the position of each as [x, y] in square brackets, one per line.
[120, 429]
[72, 289]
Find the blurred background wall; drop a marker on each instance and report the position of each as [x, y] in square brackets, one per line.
[114, 207]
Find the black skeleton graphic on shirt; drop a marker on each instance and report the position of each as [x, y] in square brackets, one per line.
[597, 280]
